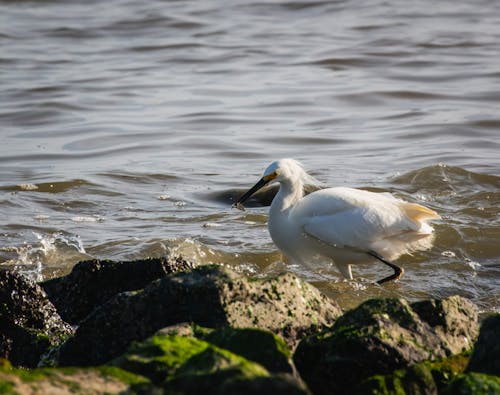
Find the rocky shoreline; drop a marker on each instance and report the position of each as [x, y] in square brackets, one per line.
[164, 326]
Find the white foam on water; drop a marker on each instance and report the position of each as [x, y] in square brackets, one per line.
[87, 219]
[49, 250]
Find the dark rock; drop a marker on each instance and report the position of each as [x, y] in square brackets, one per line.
[92, 283]
[217, 371]
[29, 323]
[209, 296]
[380, 336]
[474, 384]
[454, 319]
[486, 355]
[423, 378]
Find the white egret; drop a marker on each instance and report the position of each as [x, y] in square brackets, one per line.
[345, 225]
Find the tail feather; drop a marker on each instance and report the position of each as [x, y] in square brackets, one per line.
[418, 213]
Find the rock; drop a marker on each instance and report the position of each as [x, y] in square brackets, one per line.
[29, 323]
[486, 355]
[159, 357]
[92, 283]
[254, 344]
[454, 319]
[474, 384]
[95, 381]
[423, 378]
[382, 335]
[209, 296]
[187, 365]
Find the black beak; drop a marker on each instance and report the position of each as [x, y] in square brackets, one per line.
[243, 198]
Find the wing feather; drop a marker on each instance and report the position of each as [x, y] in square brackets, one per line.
[351, 218]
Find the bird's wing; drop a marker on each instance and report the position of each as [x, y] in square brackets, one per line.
[346, 229]
[344, 217]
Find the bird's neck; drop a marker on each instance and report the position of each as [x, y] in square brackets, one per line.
[288, 194]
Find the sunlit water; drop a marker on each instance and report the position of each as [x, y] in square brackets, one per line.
[128, 127]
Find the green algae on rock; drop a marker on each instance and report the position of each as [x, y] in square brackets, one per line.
[84, 381]
[158, 357]
[254, 344]
[423, 378]
[257, 345]
[186, 365]
[474, 384]
[380, 336]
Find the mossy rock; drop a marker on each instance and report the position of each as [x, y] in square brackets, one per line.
[158, 357]
[257, 345]
[216, 372]
[163, 357]
[99, 380]
[186, 365]
[428, 377]
[254, 344]
[474, 384]
[381, 336]
[210, 296]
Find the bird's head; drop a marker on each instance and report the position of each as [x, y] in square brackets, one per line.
[283, 170]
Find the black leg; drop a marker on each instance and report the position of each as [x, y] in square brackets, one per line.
[398, 271]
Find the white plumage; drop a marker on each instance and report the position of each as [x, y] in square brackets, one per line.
[345, 225]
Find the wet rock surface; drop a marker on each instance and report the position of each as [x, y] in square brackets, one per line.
[29, 323]
[92, 283]
[486, 355]
[382, 335]
[209, 296]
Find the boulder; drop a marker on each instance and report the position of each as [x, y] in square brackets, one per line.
[185, 365]
[92, 283]
[254, 344]
[423, 378]
[486, 355]
[29, 323]
[210, 296]
[454, 320]
[382, 335]
[474, 384]
[96, 381]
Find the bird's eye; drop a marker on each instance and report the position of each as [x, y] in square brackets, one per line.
[271, 176]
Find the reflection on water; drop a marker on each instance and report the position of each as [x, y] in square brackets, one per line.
[128, 128]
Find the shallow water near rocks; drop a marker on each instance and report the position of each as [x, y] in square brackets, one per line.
[129, 127]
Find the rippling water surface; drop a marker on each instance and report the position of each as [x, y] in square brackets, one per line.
[127, 128]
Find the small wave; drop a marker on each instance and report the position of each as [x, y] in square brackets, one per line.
[437, 176]
[54, 250]
[49, 187]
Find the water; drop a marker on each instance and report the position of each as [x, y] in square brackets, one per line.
[127, 127]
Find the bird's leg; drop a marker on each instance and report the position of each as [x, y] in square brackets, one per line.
[398, 271]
